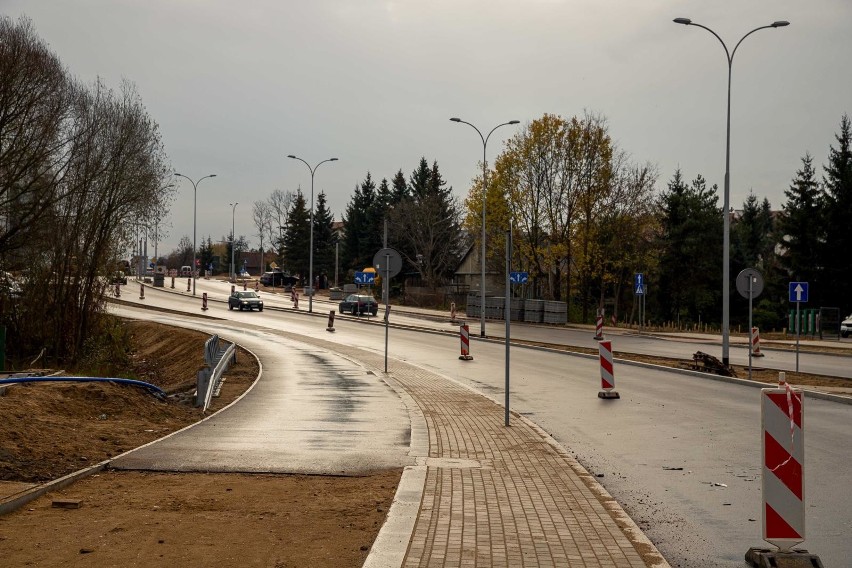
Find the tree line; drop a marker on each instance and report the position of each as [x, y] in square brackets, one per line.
[82, 167]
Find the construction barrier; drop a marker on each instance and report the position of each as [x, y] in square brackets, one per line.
[244, 285]
[599, 327]
[233, 289]
[204, 301]
[173, 282]
[464, 335]
[452, 312]
[755, 342]
[118, 290]
[330, 321]
[783, 479]
[188, 284]
[295, 301]
[607, 371]
[257, 286]
[613, 320]
[141, 291]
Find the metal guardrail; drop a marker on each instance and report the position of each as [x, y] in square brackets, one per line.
[208, 380]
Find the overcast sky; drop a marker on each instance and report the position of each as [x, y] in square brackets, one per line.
[236, 86]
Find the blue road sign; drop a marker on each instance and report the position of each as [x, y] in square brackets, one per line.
[798, 291]
[364, 277]
[519, 277]
[639, 284]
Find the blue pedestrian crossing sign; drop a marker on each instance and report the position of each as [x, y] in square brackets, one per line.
[798, 292]
[365, 277]
[519, 277]
[639, 284]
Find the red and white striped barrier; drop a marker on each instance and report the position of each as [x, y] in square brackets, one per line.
[257, 285]
[452, 312]
[141, 291]
[783, 451]
[599, 328]
[204, 301]
[607, 371]
[233, 289]
[293, 295]
[464, 336]
[295, 301]
[188, 283]
[755, 342]
[613, 320]
[330, 321]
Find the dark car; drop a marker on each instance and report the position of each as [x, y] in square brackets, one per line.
[245, 300]
[277, 279]
[357, 304]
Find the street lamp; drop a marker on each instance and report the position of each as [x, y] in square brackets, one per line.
[726, 240]
[233, 239]
[484, 193]
[194, 209]
[311, 253]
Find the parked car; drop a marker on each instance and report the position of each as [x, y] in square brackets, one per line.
[248, 300]
[357, 304]
[276, 278]
[846, 326]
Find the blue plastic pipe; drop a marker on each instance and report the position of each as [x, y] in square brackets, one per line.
[153, 389]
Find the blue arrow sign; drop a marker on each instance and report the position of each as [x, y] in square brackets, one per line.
[639, 284]
[798, 291]
[519, 277]
[364, 277]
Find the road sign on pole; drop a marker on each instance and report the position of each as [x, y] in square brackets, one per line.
[364, 277]
[519, 277]
[798, 292]
[639, 284]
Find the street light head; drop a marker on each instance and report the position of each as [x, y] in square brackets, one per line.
[456, 119]
[684, 21]
[212, 175]
[332, 159]
[514, 122]
[780, 24]
[291, 156]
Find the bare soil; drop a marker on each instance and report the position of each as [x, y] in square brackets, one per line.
[161, 519]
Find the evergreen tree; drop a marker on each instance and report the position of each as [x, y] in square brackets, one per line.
[836, 257]
[749, 237]
[801, 226]
[419, 185]
[296, 240]
[691, 251]
[324, 239]
[361, 240]
[205, 253]
[400, 188]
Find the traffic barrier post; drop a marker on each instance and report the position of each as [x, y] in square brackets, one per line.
[452, 312]
[257, 286]
[295, 300]
[141, 291]
[173, 282]
[755, 342]
[464, 335]
[188, 284]
[613, 320]
[233, 288]
[607, 371]
[118, 290]
[330, 321]
[599, 327]
[244, 285]
[204, 301]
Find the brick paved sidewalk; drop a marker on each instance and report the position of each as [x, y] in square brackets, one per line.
[496, 496]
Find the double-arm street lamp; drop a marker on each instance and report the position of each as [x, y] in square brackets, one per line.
[233, 240]
[484, 193]
[726, 244]
[311, 253]
[194, 209]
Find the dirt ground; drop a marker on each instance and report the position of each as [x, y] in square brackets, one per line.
[156, 519]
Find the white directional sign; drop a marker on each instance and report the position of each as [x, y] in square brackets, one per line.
[798, 291]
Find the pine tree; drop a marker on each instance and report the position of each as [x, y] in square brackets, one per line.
[324, 239]
[400, 188]
[361, 238]
[691, 250]
[801, 226]
[836, 257]
[296, 239]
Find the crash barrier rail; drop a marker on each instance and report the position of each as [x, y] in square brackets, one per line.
[217, 359]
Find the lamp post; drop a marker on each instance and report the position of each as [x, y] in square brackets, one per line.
[233, 239]
[484, 193]
[311, 252]
[194, 209]
[726, 239]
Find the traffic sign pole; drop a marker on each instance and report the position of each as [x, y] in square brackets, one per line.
[798, 332]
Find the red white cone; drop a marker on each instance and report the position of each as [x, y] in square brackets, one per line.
[204, 301]
[755, 342]
[330, 321]
[599, 328]
[464, 336]
[607, 371]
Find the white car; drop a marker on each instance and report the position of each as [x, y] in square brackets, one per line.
[846, 326]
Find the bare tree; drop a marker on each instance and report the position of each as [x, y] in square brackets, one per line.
[262, 217]
[280, 203]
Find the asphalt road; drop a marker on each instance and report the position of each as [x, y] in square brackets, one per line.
[664, 420]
